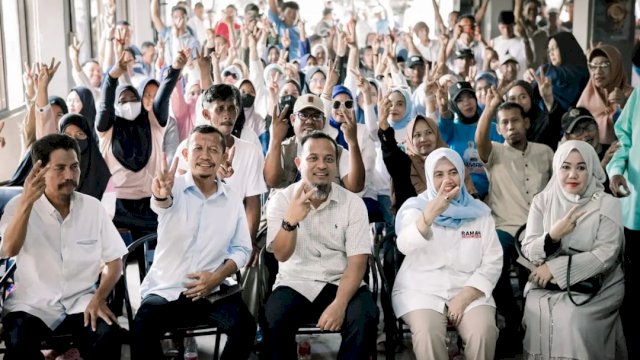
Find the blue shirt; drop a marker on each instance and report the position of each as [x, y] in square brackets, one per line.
[294, 34]
[196, 234]
[461, 138]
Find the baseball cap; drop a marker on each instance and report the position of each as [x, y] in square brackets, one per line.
[575, 116]
[508, 58]
[415, 60]
[464, 53]
[489, 76]
[458, 88]
[308, 101]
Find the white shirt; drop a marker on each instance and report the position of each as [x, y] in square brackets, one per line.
[514, 47]
[429, 52]
[60, 260]
[437, 268]
[196, 234]
[248, 165]
[337, 229]
[199, 26]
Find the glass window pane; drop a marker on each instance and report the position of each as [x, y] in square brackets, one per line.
[13, 62]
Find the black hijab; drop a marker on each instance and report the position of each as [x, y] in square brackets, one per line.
[88, 106]
[94, 173]
[131, 140]
[57, 100]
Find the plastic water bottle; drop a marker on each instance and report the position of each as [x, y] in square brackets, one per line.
[304, 350]
[190, 348]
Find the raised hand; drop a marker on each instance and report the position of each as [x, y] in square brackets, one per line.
[203, 62]
[384, 108]
[286, 39]
[163, 182]
[332, 75]
[46, 72]
[545, 88]
[619, 186]
[225, 170]
[363, 85]
[616, 98]
[274, 85]
[350, 128]
[181, 58]
[74, 50]
[280, 123]
[566, 224]
[529, 75]
[493, 98]
[29, 79]
[300, 205]
[35, 185]
[119, 41]
[440, 203]
[442, 96]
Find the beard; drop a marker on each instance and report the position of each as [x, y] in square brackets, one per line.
[322, 191]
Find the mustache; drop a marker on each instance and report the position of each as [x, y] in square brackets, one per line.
[68, 183]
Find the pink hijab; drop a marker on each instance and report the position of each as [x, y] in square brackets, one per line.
[593, 98]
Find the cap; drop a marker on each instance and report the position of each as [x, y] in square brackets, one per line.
[574, 116]
[308, 101]
[464, 53]
[458, 88]
[506, 17]
[508, 58]
[489, 76]
[415, 60]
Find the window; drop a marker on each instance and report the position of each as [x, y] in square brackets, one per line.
[12, 54]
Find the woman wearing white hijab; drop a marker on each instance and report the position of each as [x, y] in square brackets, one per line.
[572, 222]
[453, 262]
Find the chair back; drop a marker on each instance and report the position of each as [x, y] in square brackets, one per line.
[7, 193]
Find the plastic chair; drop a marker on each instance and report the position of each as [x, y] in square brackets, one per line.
[182, 332]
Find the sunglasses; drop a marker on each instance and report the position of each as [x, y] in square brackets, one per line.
[229, 73]
[338, 104]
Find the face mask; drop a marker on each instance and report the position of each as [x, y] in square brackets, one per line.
[248, 100]
[84, 144]
[128, 111]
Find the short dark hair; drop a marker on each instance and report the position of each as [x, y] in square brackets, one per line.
[315, 135]
[327, 11]
[179, 7]
[221, 92]
[511, 106]
[208, 129]
[147, 44]
[470, 17]
[290, 4]
[42, 148]
[198, 5]
[123, 22]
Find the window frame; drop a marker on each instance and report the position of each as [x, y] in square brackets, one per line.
[5, 111]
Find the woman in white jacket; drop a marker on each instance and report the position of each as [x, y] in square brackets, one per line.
[453, 261]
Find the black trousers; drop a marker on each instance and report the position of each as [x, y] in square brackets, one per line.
[24, 333]
[157, 315]
[287, 310]
[137, 216]
[629, 310]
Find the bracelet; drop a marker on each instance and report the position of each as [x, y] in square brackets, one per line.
[288, 227]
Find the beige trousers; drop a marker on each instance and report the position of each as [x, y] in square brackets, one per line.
[477, 329]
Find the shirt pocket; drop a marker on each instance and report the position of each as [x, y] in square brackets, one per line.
[469, 254]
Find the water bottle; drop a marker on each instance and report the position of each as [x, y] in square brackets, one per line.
[190, 348]
[304, 350]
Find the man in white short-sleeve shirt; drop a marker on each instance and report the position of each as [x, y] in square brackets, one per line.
[63, 242]
[317, 231]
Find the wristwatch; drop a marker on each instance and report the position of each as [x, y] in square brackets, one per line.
[286, 226]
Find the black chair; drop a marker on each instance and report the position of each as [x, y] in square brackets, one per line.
[203, 329]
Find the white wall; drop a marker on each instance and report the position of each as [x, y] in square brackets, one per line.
[10, 155]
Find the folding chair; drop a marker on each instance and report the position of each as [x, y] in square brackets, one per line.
[179, 333]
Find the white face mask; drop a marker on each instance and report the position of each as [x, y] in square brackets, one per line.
[128, 111]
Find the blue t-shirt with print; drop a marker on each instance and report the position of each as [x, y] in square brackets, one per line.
[461, 138]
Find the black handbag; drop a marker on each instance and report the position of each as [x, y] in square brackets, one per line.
[590, 286]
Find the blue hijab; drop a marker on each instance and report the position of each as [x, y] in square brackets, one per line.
[359, 110]
[463, 207]
[407, 113]
[337, 90]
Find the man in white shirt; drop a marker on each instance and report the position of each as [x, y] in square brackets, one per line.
[507, 44]
[203, 238]
[198, 23]
[428, 48]
[63, 242]
[243, 170]
[317, 231]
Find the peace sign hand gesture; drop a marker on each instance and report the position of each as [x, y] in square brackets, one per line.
[545, 88]
[35, 184]
[384, 106]
[203, 62]
[566, 224]
[226, 168]
[74, 50]
[441, 202]
[363, 85]
[280, 123]
[300, 205]
[163, 182]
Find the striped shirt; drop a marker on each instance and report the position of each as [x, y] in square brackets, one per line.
[337, 229]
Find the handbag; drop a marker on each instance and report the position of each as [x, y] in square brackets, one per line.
[590, 286]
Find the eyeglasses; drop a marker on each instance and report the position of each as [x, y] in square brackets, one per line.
[229, 73]
[601, 66]
[347, 104]
[317, 117]
[580, 129]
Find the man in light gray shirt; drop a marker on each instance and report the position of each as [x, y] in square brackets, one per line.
[317, 230]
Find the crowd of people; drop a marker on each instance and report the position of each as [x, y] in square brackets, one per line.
[469, 152]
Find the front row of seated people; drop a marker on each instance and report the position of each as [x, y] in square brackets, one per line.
[65, 244]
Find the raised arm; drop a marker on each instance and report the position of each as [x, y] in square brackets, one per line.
[479, 15]
[273, 6]
[158, 24]
[354, 180]
[483, 131]
[273, 161]
[106, 115]
[439, 22]
[45, 119]
[161, 101]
